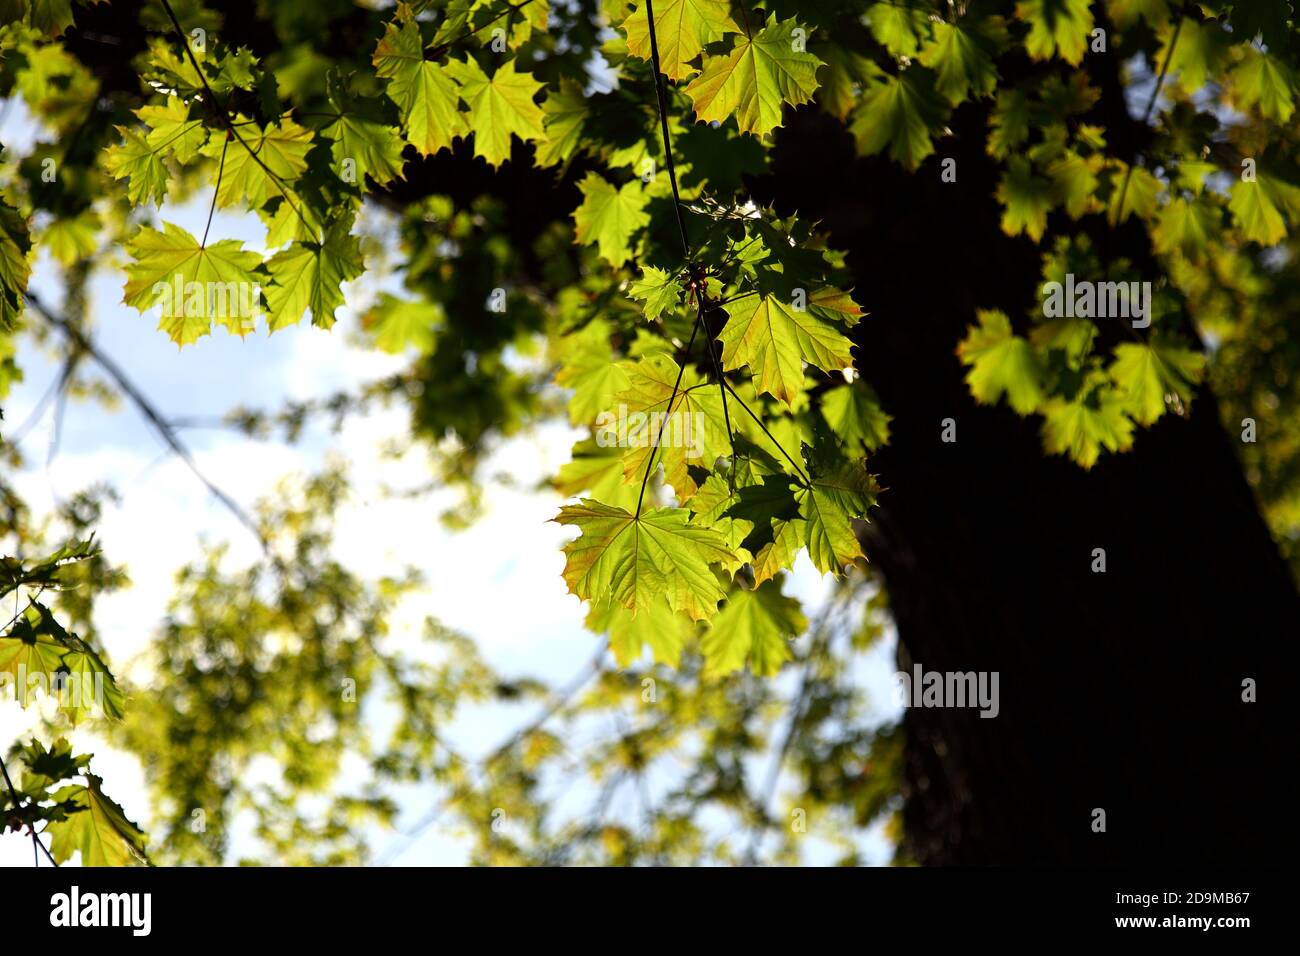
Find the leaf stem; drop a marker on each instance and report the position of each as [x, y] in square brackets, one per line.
[806, 480]
[662, 98]
[654, 447]
[215, 192]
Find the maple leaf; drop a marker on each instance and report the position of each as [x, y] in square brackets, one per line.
[424, 91]
[590, 370]
[1027, 198]
[774, 339]
[610, 217]
[598, 471]
[566, 113]
[898, 27]
[1059, 27]
[756, 78]
[172, 131]
[1265, 83]
[1094, 420]
[637, 561]
[140, 164]
[309, 275]
[34, 646]
[172, 259]
[98, 828]
[755, 628]
[376, 149]
[659, 289]
[828, 506]
[1145, 373]
[498, 106]
[682, 28]
[1259, 207]
[961, 55]
[1001, 363]
[854, 414]
[901, 112]
[399, 324]
[659, 626]
[270, 159]
[694, 433]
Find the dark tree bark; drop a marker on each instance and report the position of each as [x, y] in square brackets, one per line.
[1119, 690]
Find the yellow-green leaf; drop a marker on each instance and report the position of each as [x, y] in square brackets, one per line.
[637, 561]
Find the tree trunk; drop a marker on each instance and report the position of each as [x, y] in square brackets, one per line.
[1120, 691]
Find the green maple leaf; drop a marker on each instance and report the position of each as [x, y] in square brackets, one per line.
[72, 673]
[854, 414]
[755, 628]
[1008, 124]
[399, 324]
[712, 506]
[376, 149]
[1027, 199]
[638, 561]
[1265, 83]
[163, 257]
[788, 538]
[35, 645]
[598, 471]
[269, 161]
[693, 434]
[1074, 183]
[1094, 420]
[659, 626]
[1185, 226]
[828, 507]
[961, 55]
[774, 339]
[1056, 27]
[1001, 363]
[901, 113]
[73, 238]
[1141, 197]
[94, 683]
[425, 92]
[1198, 55]
[755, 79]
[590, 370]
[99, 829]
[566, 111]
[682, 28]
[140, 164]
[659, 289]
[1258, 207]
[43, 768]
[498, 107]
[172, 131]
[1145, 373]
[900, 29]
[610, 217]
[310, 275]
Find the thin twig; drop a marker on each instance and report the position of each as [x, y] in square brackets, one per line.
[662, 97]
[1146, 118]
[654, 447]
[772, 438]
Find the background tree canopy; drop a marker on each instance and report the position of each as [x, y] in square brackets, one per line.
[802, 274]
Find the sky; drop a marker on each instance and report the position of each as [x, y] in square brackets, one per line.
[165, 515]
